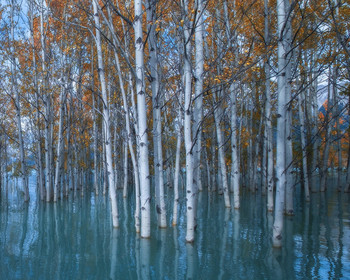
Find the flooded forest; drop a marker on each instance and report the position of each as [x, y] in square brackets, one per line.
[185, 139]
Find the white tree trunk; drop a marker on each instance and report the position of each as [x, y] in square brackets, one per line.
[198, 104]
[157, 122]
[268, 125]
[106, 120]
[281, 133]
[190, 191]
[60, 145]
[125, 168]
[94, 128]
[142, 124]
[177, 163]
[289, 145]
[222, 161]
[47, 107]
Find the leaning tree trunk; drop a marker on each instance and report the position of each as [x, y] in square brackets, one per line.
[106, 120]
[222, 162]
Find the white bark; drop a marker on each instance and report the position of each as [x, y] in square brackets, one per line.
[289, 145]
[142, 124]
[47, 109]
[177, 164]
[281, 134]
[94, 126]
[235, 173]
[198, 104]
[268, 125]
[222, 161]
[190, 191]
[60, 144]
[125, 168]
[127, 126]
[106, 120]
[157, 122]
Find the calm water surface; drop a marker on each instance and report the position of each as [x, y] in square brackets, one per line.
[74, 239]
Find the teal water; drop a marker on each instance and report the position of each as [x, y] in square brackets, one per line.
[74, 239]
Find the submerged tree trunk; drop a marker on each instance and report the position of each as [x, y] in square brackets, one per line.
[281, 125]
[142, 124]
[235, 173]
[60, 144]
[177, 164]
[327, 144]
[190, 190]
[157, 121]
[15, 92]
[198, 104]
[222, 162]
[106, 120]
[47, 109]
[303, 146]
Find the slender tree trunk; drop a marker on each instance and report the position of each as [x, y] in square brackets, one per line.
[268, 117]
[125, 168]
[106, 120]
[157, 122]
[289, 144]
[198, 104]
[222, 161]
[60, 143]
[94, 125]
[281, 133]
[304, 146]
[190, 190]
[328, 128]
[142, 124]
[177, 164]
[316, 138]
[235, 173]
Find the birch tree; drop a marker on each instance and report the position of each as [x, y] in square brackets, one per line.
[157, 121]
[281, 125]
[190, 190]
[268, 116]
[198, 104]
[144, 174]
[106, 118]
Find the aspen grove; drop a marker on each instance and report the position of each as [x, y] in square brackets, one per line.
[161, 100]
